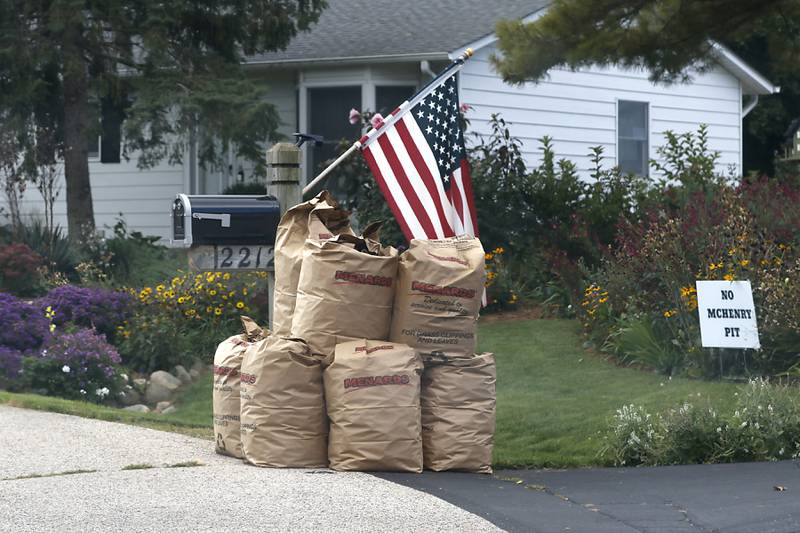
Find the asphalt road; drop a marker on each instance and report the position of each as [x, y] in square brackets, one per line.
[731, 498]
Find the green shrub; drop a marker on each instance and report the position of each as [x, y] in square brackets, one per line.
[763, 426]
[19, 269]
[183, 319]
[246, 187]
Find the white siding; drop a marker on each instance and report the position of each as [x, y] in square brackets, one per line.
[144, 197]
[578, 109]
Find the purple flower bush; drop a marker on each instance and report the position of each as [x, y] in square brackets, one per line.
[88, 307]
[79, 365]
[10, 365]
[23, 327]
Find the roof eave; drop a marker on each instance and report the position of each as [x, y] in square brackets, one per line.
[752, 81]
[355, 60]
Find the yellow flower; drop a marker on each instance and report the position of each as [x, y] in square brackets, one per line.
[226, 276]
[244, 291]
[160, 288]
[732, 251]
[218, 311]
[52, 328]
[212, 292]
[728, 277]
[239, 305]
[209, 309]
[603, 300]
[744, 262]
[669, 313]
[488, 256]
[190, 312]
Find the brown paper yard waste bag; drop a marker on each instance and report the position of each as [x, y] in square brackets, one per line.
[458, 413]
[440, 284]
[346, 288]
[372, 395]
[319, 219]
[283, 405]
[227, 366]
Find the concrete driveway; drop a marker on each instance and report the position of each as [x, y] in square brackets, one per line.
[64, 473]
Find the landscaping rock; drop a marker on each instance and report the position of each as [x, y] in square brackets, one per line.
[168, 410]
[140, 384]
[161, 387]
[198, 366]
[138, 408]
[181, 373]
[161, 406]
[129, 396]
[194, 373]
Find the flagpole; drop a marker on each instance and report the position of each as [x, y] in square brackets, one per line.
[457, 63]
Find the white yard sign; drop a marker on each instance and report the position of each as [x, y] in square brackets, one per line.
[727, 314]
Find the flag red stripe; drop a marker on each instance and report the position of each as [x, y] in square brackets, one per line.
[466, 179]
[425, 174]
[408, 189]
[455, 198]
[376, 172]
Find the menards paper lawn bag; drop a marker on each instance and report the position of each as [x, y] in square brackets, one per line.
[283, 405]
[458, 413]
[372, 395]
[346, 288]
[227, 364]
[320, 218]
[440, 284]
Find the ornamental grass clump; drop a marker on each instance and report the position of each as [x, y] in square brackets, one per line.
[78, 365]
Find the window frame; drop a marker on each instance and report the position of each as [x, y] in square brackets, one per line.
[366, 78]
[647, 133]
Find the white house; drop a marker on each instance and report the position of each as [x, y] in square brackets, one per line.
[373, 54]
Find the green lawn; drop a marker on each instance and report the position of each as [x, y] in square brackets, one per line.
[554, 399]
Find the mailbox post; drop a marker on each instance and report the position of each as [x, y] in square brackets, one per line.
[283, 182]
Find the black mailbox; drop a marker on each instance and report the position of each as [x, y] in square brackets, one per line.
[224, 220]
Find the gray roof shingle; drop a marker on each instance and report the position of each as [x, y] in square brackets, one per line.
[350, 29]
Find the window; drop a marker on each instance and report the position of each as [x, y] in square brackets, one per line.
[112, 115]
[388, 97]
[328, 109]
[632, 137]
[106, 145]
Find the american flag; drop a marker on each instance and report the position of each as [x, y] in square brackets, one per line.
[418, 158]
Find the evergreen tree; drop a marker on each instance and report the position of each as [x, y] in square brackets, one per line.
[172, 69]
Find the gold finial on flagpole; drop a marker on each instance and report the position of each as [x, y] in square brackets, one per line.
[468, 52]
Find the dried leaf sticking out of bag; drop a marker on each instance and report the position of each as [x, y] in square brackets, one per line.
[283, 405]
[318, 219]
[346, 289]
[372, 394]
[440, 285]
[225, 397]
[458, 413]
